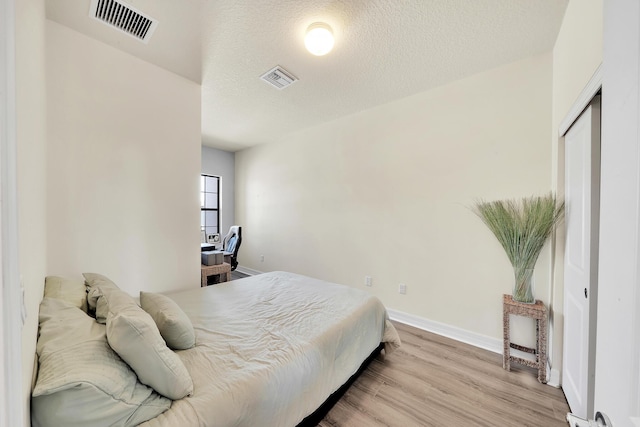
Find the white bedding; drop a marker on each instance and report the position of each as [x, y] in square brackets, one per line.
[271, 348]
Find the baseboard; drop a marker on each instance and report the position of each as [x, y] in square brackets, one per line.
[553, 377]
[472, 338]
[482, 341]
[247, 270]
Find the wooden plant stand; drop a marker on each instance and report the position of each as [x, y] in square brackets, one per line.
[536, 311]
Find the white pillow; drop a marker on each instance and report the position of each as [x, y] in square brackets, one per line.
[81, 381]
[71, 290]
[95, 282]
[132, 333]
[173, 324]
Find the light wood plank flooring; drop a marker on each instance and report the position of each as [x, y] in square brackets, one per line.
[235, 275]
[435, 381]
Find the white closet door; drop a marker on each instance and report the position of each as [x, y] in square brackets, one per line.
[582, 183]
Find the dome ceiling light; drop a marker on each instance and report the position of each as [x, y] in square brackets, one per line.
[319, 39]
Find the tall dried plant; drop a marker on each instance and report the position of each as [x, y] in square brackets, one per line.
[522, 227]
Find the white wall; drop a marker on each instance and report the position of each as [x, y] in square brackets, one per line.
[123, 166]
[222, 163]
[386, 193]
[618, 338]
[8, 342]
[576, 56]
[31, 167]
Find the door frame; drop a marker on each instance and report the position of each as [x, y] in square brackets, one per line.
[582, 102]
[618, 346]
[591, 89]
[11, 402]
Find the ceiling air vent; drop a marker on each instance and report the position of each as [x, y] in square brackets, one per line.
[278, 77]
[123, 17]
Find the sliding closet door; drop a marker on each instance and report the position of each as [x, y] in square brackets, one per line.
[582, 198]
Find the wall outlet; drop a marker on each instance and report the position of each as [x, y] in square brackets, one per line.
[367, 280]
[402, 288]
[261, 258]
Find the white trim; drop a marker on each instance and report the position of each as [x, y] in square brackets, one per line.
[493, 345]
[482, 341]
[584, 99]
[553, 377]
[247, 270]
[11, 344]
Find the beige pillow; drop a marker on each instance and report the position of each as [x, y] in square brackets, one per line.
[81, 381]
[71, 290]
[132, 333]
[95, 282]
[173, 324]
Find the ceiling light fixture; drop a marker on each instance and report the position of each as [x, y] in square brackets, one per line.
[319, 39]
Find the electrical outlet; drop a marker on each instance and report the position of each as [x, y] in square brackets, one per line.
[367, 280]
[261, 258]
[402, 288]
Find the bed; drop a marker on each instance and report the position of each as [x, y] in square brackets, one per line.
[269, 350]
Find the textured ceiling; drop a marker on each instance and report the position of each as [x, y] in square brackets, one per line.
[175, 44]
[384, 50]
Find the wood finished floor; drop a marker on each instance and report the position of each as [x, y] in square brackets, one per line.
[435, 381]
[235, 275]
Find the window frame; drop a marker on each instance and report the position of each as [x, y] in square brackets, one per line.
[205, 209]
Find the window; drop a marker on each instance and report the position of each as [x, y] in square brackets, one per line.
[209, 205]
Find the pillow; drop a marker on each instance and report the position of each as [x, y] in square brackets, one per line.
[95, 282]
[71, 290]
[132, 333]
[173, 324]
[81, 381]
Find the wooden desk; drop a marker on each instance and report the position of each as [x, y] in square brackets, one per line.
[224, 270]
[536, 311]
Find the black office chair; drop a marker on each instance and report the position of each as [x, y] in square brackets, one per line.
[231, 245]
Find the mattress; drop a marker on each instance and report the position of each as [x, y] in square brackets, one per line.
[271, 348]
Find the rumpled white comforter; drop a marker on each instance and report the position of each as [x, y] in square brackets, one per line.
[271, 348]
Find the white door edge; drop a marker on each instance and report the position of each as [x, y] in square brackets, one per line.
[11, 400]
